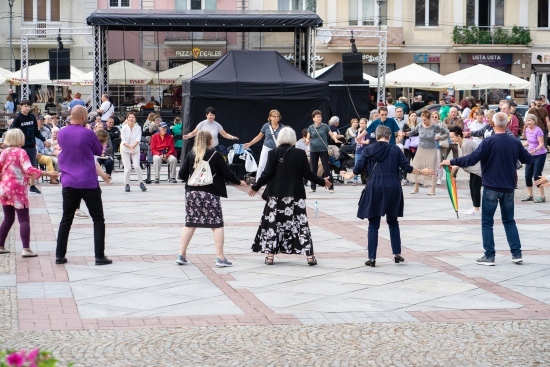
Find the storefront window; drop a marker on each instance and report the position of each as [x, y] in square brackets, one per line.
[542, 14]
[427, 13]
[372, 69]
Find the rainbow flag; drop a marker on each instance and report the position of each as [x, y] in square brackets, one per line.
[451, 188]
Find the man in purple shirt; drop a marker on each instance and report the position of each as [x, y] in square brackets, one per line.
[79, 181]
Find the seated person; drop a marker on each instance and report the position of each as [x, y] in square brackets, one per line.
[54, 149]
[45, 160]
[50, 104]
[106, 158]
[141, 103]
[96, 121]
[45, 130]
[163, 150]
[113, 131]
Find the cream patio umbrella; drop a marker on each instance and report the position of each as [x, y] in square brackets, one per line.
[3, 74]
[416, 76]
[40, 74]
[481, 77]
[532, 92]
[122, 73]
[179, 73]
[543, 85]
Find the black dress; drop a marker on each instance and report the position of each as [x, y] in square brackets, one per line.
[284, 225]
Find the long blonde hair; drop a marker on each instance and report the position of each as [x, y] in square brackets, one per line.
[203, 140]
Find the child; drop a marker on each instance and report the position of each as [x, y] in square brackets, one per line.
[15, 171]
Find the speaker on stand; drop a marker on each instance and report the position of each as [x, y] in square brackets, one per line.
[352, 68]
[60, 64]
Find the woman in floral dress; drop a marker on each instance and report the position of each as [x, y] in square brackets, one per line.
[15, 172]
[284, 227]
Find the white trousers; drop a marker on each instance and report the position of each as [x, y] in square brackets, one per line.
[157, 163]
[263, 161]
[128, 165]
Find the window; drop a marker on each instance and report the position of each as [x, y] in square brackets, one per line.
[195, 4]
[41, 10]
[427, 13]
[310, 5]
[543, 14]
[485, 13]
[119, 3]
[368, 12]
[432, 67]
[372, 69]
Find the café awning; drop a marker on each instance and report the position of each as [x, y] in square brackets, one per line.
[179, 73]
[122, 73]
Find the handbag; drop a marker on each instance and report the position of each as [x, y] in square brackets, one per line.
[329, 151]
[202, 175]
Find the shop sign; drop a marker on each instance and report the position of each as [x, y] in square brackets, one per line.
[197, 53]
[489, 59]
[519, 93]
[540, 58]
[370, 58]
[427, 58]
[290, 57]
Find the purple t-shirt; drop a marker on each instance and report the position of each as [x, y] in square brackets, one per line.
[532, 137]
[76, 160]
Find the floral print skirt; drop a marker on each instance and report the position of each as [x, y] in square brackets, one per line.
[203, 210]
[284, 228]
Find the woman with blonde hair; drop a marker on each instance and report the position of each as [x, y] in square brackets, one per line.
[130, 139]
[150, 120]
[15, 172]
[202, 203]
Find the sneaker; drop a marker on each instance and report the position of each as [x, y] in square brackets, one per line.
[311, 191]
[527, 198]
[181, 260]
[438, 181]
[354, 183]
[223, 263]
[142, 187]
[28, 253]
[472, 211]
[81, 214]
[127, 188]
[34, 190]
[3, 250]
[173, 180]
[489, 261]
[331, 191]
[157, 181]
[517, 259]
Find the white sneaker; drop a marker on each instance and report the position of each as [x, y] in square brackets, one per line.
[28, 253]
[438, 181]
[472, 211]
[81, 214]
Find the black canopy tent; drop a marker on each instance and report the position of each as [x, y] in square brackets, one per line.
[243, 86]
[301, 22]
[347, 101]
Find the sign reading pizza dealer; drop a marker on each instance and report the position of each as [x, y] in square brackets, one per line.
[197, 53]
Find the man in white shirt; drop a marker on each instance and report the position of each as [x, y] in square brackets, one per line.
[212, 127]
[106, 109]
[390, 107]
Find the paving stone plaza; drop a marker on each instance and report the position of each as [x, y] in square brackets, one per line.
[437, 309]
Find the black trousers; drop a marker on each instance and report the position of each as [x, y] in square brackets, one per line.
[108, 163]
[71, 202]
[475, 189]
[314, 162]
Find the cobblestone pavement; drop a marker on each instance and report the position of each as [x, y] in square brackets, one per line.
[436, 309]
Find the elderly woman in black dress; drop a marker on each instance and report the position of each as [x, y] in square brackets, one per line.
[202, 203]
[284, 227]
[383, 194]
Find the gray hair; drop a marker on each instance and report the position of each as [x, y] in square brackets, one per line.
[372, 113]
[158, 120]
[333, 120]
[500, 119]
[530, 116]
[453, 108]
[287, 135]
[383, 132]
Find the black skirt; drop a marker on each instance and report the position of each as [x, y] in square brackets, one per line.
[284, 228]
[203, 210]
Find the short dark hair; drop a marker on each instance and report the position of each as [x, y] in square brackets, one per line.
[456, 130]
[382, 108]
[211, 110]
[25, 102]
[316, 112]
[389, 100]
[304, 133]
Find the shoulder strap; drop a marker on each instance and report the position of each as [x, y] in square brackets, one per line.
[284, 155]
[326, 146]
[273, 135]
[211, 157]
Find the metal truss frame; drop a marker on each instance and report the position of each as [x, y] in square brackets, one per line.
[382, 35]
[101, 65]
[41, 33]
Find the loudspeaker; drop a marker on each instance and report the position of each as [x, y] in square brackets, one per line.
[60, 64]
[352, 68]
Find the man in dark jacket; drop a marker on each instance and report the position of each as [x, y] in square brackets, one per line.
[26, 122]
[498, 155]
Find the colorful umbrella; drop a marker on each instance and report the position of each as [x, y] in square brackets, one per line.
[451, 188]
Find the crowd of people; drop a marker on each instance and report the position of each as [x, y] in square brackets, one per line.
[389, 148]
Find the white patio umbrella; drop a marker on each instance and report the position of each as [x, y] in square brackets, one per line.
[179, 73]
[40, 74]
[532, 92]
[3, 74]
[121, 73]
[416, 76]
[481, 77]
[543, 85]
[373, 82]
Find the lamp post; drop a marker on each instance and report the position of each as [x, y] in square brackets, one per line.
[10, 2]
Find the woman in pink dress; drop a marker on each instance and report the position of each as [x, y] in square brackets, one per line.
[15, 172]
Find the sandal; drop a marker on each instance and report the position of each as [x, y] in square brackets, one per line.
[540, 199]
[311, 260]
[527, 198]
[269, 260]
[414, 192]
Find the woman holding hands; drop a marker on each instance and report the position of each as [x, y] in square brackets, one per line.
[130, 138]
[535, 145]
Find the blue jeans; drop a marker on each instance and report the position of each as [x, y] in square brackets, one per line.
[534, 169]
[489, 204]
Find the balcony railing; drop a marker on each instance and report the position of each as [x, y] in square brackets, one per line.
[37, 30]
[471, 35]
